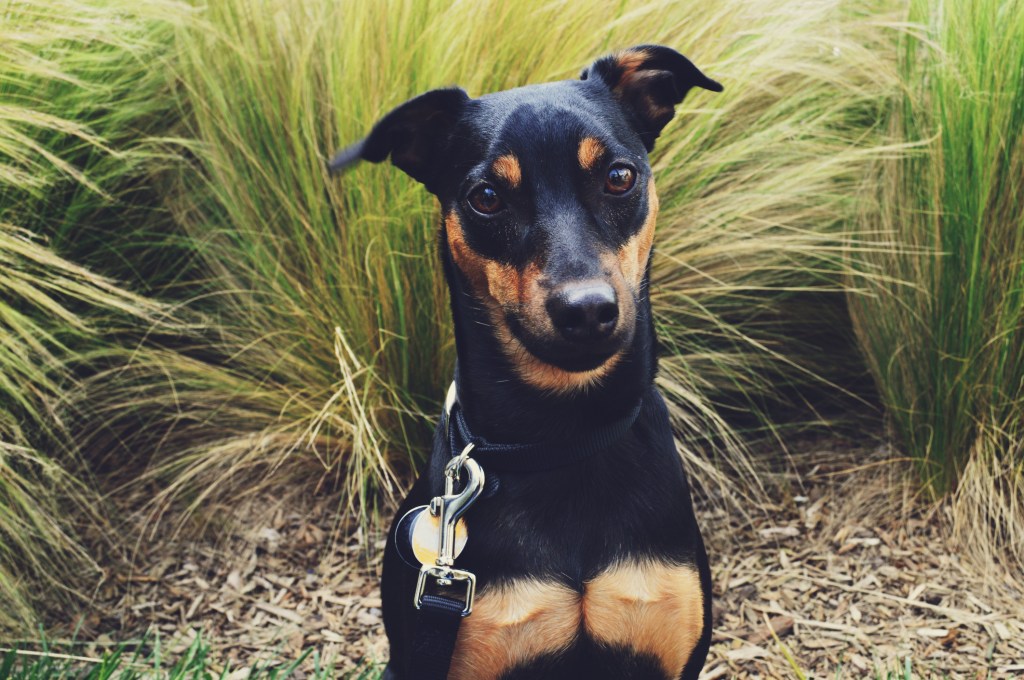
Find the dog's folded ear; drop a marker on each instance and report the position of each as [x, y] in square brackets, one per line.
[414, 134]
[648, 81]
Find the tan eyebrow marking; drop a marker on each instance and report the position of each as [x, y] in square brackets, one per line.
[590, 152]
[507, 168]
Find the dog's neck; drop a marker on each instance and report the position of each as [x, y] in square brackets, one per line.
[502, 407]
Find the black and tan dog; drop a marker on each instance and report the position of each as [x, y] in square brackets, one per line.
[588, 559]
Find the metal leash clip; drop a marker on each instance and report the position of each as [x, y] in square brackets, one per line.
[449, 508]
[450, 400]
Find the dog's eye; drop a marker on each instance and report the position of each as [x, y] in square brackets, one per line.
[620, 179]
[485, 200]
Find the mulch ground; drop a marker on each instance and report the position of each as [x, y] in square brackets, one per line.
[844, 577]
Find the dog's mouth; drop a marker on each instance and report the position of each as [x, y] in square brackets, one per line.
[556, 351]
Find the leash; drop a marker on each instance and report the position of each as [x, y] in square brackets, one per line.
[444, 595]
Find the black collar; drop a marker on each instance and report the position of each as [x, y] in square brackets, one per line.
[546, 455]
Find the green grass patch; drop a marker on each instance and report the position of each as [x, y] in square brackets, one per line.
[197, 662]
[86, 130]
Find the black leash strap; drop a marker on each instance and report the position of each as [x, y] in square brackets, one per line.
[437, 629]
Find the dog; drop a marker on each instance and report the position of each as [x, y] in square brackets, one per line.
[580, 555]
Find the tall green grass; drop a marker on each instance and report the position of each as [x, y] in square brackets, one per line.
[43, 503]
[182, 150]
[72, 148]
[945, 339]
[332, 343]
[86, 125]
[757, 187]
[295, 330]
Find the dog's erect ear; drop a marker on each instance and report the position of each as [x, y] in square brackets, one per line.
[413, 135]
[648, 81]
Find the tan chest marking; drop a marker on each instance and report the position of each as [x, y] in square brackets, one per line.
[512, 624]
[652, 607]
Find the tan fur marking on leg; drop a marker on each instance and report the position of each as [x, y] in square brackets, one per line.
[507, 167]
[590, 152]
[634, 254]
[512, 624]
[653, 607]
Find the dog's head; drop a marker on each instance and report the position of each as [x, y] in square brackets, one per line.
[548, 202]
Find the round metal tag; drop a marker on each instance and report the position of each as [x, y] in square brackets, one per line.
[416, 537]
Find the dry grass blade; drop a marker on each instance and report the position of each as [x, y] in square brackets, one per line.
[41, 302]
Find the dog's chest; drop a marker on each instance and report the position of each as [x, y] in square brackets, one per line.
[648, 607]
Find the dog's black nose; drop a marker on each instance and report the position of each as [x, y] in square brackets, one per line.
[584, 312]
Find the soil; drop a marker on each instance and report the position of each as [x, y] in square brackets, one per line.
[846, 577]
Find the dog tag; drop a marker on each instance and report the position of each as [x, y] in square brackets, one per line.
[417, 534]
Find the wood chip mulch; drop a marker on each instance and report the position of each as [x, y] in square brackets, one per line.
[285, 578]
[851, 582]
[842, 577]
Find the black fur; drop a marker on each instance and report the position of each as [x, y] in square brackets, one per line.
[631, 500]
